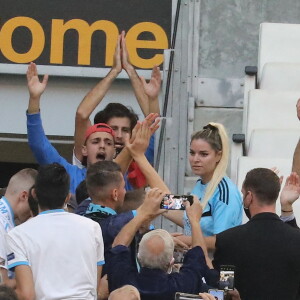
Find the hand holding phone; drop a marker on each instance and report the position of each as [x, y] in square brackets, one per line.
[218, 294]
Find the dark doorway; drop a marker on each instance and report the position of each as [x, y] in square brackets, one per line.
[8, 169]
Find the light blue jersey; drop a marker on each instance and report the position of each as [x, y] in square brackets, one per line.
[7, 222]
[223, 210]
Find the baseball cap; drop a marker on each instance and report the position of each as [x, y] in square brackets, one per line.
[100, 127]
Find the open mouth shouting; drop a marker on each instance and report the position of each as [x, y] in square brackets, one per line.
[101, 156]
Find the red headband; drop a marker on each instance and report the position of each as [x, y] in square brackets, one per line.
[100, 127]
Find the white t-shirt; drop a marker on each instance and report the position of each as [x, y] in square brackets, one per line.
[6, 223]
[62, 250]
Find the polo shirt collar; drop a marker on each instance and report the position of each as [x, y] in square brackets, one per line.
[51, 211]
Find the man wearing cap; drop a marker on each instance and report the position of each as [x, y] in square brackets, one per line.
[99, 138]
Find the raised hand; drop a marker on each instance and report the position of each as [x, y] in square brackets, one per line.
[178, 244]
[290, 192]
[35, 86]
[151, 204]
[139, 141]
[152, 88]
[117, 63]
[152, 121]
[127, 66]
[194, 212]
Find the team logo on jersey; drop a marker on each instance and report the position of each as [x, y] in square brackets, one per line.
[10, 256]
[2, 261]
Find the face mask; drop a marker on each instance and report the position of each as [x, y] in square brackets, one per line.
[246, 209]
[247, 212]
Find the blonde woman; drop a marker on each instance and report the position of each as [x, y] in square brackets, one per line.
[219, 196]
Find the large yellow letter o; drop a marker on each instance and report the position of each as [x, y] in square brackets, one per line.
[38, 39]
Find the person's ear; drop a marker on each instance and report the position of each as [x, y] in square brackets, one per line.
[172, 261]
[114, 195]
[248, 199]
[250, 196]
[67, 200]
[23, 196]
[84, 150]
[171, 265]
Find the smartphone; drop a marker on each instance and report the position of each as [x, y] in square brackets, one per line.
[226, 277]
[179, 256]
[218, 294]
[184, 296]
[175, 202]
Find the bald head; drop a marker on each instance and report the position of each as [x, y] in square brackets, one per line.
[155, 245]
[156, 250]
[21, 181]
[127, 292]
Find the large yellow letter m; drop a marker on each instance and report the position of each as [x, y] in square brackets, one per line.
[85, 32]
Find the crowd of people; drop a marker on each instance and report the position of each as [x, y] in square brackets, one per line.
[84, 230]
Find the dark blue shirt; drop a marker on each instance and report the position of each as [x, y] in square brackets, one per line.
[111, 224]
[155, 284]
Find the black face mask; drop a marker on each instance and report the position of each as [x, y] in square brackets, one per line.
[247, 212]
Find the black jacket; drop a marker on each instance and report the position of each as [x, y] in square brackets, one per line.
[266, 254]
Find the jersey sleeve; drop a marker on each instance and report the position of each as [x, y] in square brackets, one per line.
[39, 144]
[99, 245]
[45, 153]
[16, 254]
[3, 248]
[226, 207]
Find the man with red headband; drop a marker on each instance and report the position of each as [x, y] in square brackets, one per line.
[99, 138]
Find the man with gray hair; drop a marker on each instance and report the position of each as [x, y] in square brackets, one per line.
[156, 250]
[156, 256]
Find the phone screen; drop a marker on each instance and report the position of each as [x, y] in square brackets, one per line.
[175, 202]
[219, 295]
[226, 277]
[179, 256]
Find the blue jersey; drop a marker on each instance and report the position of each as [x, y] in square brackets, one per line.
[7, 222]
[223, 210]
